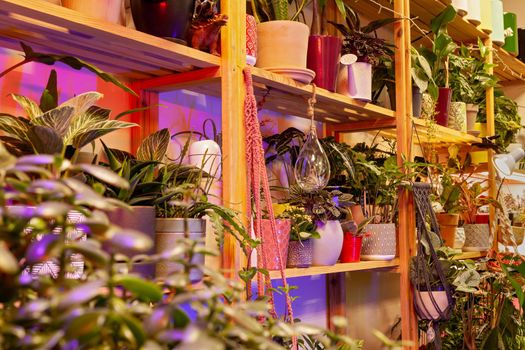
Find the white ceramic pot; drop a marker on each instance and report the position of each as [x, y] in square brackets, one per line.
[326, 250]
[282, 44]
[457, 116]
[472, 115]
[427, 309]
[380, 242]
[206, 154]
[106, 10]
[168, 233]
[461, 7]
[360, 81]
[477, 238]
[474, 12]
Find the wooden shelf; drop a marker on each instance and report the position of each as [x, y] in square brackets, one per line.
[470, 255]
[347, 267]
[288, 96]
[441, 135]
[508, 67]
[54, 29]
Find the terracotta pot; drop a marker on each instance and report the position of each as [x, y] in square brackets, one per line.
[360, 81]
[168, 233]
[282, 44]
[323, 59]
[106, 10]
[448, 219]
[427, 309]
[169, 19]
[443, 105]
[326, 250]
[271, 247]
[380, 242]
[461, 7]
[448, 225]
[300, 253]
[472, 115]
[477, 238]
[140, 218]
[457, 116]
[351, 248]
[357, 213]
[474, 12]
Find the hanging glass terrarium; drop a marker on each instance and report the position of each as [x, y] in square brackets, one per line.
[312, 168]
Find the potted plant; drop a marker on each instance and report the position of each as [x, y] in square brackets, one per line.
[355, 77]
[107, 10]
[324, 50]
[353, 240]
[448, 206]
[461, 6]
[325, 209]
[282, 41]
[302, 235]
[168, 19]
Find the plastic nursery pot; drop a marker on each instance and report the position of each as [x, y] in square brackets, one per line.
[271, 247]
[300, 253]
[443, 105]
[351, 248]
[106, 10]
[169, 19]
[323, 59]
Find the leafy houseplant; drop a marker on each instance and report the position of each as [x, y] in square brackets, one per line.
[368, 49]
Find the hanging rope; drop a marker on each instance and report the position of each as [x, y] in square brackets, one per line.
[257, 181]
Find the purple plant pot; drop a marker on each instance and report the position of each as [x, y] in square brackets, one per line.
[323, 59]
[443, 104]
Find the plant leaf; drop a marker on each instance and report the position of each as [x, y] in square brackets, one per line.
[143, 290]
[45, 140]
[155, 146]
[29, 106]
[49, 98]
[104, 174]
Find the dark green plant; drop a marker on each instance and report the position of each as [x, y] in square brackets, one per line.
[277, 10]
[322, 205]
[421, 71]
[319, 20]
[363, 41]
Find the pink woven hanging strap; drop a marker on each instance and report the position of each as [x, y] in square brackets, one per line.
[257, 180]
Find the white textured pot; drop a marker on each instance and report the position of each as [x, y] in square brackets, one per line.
[379, 242]
[326, 250]
[427, 309]
[106, 10]
[472, 115]
[457, 116]
[477, 238]
[474, 12]
[206, 154]
[282, 44]
[461, 6]
[360, 81]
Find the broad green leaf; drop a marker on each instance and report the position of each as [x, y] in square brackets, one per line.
[29, 106]
[91, 250]
[83, 102]
[128, 240]
[58, 119]
[104, 175]
[98, 130]
[85, 325]
[155, 146]
[14, 126]
[81, 294]
[6, 159]
[135, 326]
[45, 140]
[49, 98]
[143, 290]
[439, 24]
[52, 210]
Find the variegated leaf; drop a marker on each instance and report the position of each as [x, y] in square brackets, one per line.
[45, 140]
[83, 102]
[15, 127]
[98, 130]
[155, 146]
[84, 122]
[58, 119]
[30, 107]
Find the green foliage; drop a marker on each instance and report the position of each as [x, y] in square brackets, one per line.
[322, 205]
[421, 71]
[276, 10]
[303, 227]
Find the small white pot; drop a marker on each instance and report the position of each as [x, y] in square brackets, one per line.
[427, 310]
[474, 12]
[106, 10]
[206, 155]
[360, 81]
[282, 44]
[326, 250]
[472, 115]
[457, 116]
[461, 7]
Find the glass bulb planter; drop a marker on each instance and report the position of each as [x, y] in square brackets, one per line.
[312, 168]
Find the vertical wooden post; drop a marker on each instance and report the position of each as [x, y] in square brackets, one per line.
[148, 120]
[406, 236]
[233, 43]
[491, 130]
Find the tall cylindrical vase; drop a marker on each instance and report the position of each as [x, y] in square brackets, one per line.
[474, 12]
[323, 59]
[498, 34]
[486, 15]
[443, 105]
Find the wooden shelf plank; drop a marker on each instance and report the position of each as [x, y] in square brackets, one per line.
[55, 29]
[441, 134]
[337, 268]
[470, 255]
[508, 67]
[288, 96]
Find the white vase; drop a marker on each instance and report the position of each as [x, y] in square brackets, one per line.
[360, 81]
[427, 309]
[474, 12]
[326, 250]
[106, 10]
[461, 7]
[206, 155]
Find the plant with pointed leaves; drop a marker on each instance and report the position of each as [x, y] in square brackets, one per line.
[277, 10]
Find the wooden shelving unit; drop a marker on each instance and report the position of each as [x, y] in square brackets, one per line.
[508, 68]
[470, 255]
[337, 268]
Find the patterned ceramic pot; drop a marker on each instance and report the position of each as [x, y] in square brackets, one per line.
[328, 248]
[457, 116]
[477, 238]
[300, 253]
[272, 247]
[428, 106]
[379, 242]
[168, 233]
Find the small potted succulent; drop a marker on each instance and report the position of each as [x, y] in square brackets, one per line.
[362, 49]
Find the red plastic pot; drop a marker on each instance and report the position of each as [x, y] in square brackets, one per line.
[443, 104]
[351, 248]
[323, 59]
[482, 218]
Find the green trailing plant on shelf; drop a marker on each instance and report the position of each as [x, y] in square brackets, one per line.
[277, 10]
[303, 226]
[319, 20]
[363, 41]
